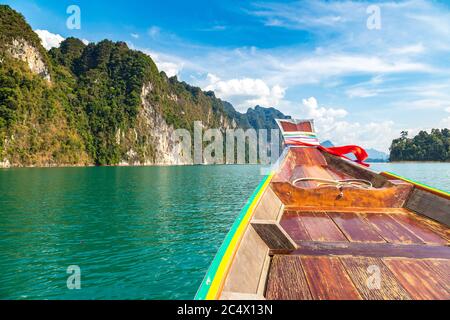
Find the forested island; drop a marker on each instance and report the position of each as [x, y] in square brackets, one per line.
[98, 103]
[434, 146]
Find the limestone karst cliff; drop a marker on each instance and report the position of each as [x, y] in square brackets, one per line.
[97, 104]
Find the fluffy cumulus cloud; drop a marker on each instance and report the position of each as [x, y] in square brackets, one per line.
[245, 92]
[170, 68]
[311, 108]
[49, 40]
[171, 65]
[331, 124]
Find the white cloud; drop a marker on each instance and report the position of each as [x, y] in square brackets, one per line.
[447, 109]
[320, 67]
[170, 68]
[415, 48]
[49, 40]
[245, 92]
[134, 35]
[171, 65]
[291, 67]
[445, 123]
[331, 125]
[311, 109]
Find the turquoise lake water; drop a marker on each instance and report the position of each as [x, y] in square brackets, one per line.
[434, 174]
[135, 232]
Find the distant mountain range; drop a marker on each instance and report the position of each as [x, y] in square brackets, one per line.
[374, 155]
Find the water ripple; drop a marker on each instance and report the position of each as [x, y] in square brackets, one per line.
[136, 233]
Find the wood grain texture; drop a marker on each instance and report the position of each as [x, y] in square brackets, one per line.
[318, 248]
[286, 280]
[268, 206]
[418, 279]
[300, 209]
[355, 227]
[363, 271]
[419, 228]
[391, 230]
[303, 171]
[430, 205]
[273, 236]
[328, 280]
[442, 269]
[244, 274]
[393, 197]
[437, 227]
[356, 170]
[321, 227]
[338, 175]
[294, 227]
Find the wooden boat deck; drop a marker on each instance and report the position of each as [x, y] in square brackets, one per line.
[310, 234]
[397, 226]
[339, 251]
[302, 277]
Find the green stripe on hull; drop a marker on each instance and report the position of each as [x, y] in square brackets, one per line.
[418, 183]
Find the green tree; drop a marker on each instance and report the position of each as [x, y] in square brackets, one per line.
[433, 146]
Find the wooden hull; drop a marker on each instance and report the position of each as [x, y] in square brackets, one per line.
[316, 241]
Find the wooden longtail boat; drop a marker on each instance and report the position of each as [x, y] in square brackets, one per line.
[323, 227]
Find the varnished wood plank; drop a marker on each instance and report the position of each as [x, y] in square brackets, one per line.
[442, 269]
[363, 272]
[392, 197]
[286, 280]
[319, 248]
[320, 227]
[300, 172]
[328, 280]
[355, 228]
[417, 278]
[338, 175]
[273, 236]
[294, 227]
[439, 228]
[300, 209]
[391, 230]
[419, 229]
[356, 171]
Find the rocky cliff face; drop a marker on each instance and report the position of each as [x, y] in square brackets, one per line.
[24, 51]
[152, 141]
[98, 104]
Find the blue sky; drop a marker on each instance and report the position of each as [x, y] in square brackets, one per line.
[307, 58]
